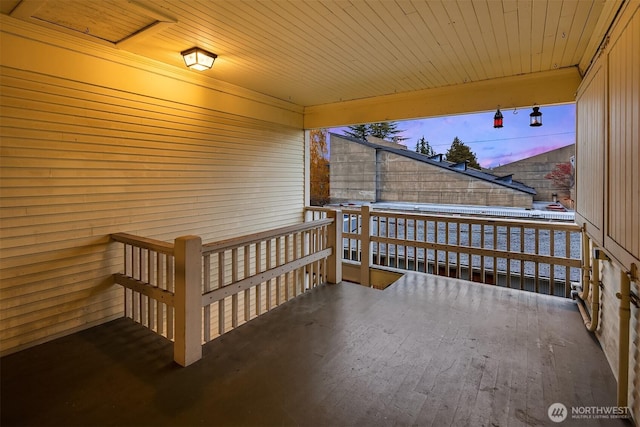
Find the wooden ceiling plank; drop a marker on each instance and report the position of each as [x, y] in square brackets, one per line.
[607, 12]
[323, 47]
[465, 43]
[575, 36]
[497, 21]
[513, 40]
[352, 54]
[561, 43]
[415, 57]
[538, 20]
[369, 44]
[393, 78]
[27, 8]
[552, 19]
[484, 67]
[432, 51]
[525, 9]
[434, 13]
[404, 68]
[488, 36]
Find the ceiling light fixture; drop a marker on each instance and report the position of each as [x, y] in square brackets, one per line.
[198, 59]
[535, 118]
[497, 119]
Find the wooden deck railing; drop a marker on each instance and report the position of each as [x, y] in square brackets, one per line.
[543, 257]
[191, 293]
[246, 277]
[149, 281]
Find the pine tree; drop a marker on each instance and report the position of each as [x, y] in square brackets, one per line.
[358, 131]
[459, 152]
[386, 130]
[382, 130]
[423, 147]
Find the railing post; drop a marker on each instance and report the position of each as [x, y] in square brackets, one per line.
[334, 263]
[187, 347]
[365, 245]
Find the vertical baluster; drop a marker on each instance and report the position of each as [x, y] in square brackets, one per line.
[152, 302]
[552, 267]
[436, 253]
[127, 272]
[170, 288]
[141, 297]
[522, 237]
[234, 279]
[358, 241]
[316, 248]
[376, 247]
[536, 250]
[495, 258]
[447, 225]
[278, 264]
[405, 247]
[396, 247]
[508, 240]
[162, 285]
[221, 284]
[258, 270]
[308, 277]
[422, 250]
[268, 267]
[483, 277]
[135, 273]
[247, 292]
[206, 279]
[287, 258]
[459, 266]
[383, 248]
[567, 269]
[325, 244]
[387, 234]
[415, 244]
[296, 273]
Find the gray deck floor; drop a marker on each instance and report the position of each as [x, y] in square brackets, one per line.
[426, 351]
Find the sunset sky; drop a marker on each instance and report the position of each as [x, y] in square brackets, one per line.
[493, 147]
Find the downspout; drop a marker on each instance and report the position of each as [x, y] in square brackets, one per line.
[591, 321]
[586, 267]
[623, 340]
[593, 280]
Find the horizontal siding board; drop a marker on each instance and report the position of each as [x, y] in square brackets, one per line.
[81, 161]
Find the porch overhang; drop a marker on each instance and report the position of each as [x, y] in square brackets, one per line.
[547, 87]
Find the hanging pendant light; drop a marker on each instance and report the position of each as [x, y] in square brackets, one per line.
[535, 118]
[497, 119]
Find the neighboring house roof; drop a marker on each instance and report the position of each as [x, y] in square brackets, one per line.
[437, 160]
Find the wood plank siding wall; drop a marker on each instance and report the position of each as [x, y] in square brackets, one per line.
[591, 128]
[608, 180]
[608, 151]
[148, 151]
[623, 228]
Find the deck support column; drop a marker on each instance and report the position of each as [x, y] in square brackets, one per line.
[334, 262]
[187, 347]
